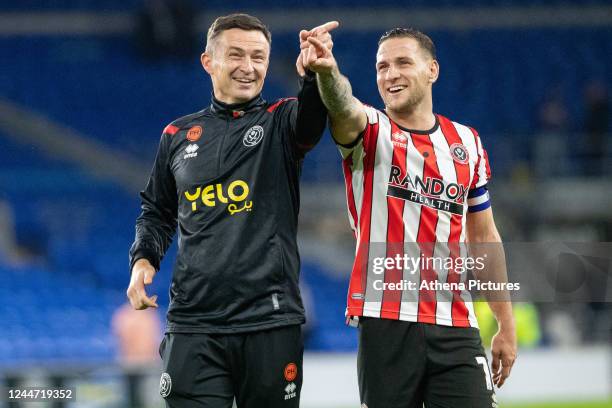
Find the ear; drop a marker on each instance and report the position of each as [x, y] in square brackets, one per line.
[434, 71]
[206, 60]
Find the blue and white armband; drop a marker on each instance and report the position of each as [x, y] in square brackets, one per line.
[478, 199]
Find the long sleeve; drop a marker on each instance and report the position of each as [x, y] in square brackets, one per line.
[157, 222]
[311, 117]
[303, 118]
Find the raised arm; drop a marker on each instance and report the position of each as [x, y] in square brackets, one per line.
[346, 113]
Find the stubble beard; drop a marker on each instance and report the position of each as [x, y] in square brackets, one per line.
[413, 101]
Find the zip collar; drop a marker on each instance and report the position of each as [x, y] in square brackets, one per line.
[236, 110]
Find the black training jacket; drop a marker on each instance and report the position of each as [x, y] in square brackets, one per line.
[228, 177]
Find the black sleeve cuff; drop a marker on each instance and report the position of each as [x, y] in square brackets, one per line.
[147, 254]
[311, 117]
[353, 143]
[310, 75]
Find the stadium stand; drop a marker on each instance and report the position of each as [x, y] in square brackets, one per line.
[58, 299]
[92, 83]
[127, 5]
[100, 88]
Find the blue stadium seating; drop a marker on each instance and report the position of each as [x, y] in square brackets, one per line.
[329, 331]
[493, 80]
[131, 5]
[53, 315]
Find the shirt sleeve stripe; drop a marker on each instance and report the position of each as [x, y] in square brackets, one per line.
[477, 192]
[479, 207]
[478, 200]
[171, 130]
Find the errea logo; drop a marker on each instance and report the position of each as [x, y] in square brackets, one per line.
[399, 140]
[399, 137]
[191, 151]
[290, 391]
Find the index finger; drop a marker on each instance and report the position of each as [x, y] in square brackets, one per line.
[506, 368]
[495, 361]
[330, 25]
[150, 301]
[324, 28]
[144, 299]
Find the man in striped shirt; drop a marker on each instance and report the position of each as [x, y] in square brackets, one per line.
[416, 187]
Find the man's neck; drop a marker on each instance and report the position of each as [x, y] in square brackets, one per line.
[421, 118]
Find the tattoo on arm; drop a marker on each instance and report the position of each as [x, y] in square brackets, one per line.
[337, 95]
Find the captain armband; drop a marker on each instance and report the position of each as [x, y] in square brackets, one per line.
[478, 199]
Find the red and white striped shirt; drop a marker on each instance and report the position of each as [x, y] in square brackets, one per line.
[405, 190]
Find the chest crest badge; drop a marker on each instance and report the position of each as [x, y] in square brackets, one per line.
[459, 153]
[253, 136]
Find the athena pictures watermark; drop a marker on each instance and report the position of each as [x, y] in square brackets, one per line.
[530, 271]
[442, 265]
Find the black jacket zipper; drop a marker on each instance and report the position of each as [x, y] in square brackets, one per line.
[220, 149]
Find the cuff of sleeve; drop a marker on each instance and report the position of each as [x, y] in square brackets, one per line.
[147, 254]
[352, 144]
[310, 76]
[309, 79]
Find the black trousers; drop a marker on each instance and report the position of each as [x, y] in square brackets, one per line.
[258, 369]
[408, 365]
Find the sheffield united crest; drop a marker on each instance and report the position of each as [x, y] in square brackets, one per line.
[459, 153]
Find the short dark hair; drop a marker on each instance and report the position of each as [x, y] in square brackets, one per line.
[237, 20]
[423, 39]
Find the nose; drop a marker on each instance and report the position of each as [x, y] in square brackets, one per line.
[392, 73]
[247, 66]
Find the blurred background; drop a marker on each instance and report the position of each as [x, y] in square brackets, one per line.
[86, 86]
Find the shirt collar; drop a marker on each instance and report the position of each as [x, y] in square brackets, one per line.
[236, 109]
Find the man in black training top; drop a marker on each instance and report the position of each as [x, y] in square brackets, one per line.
[228, 177]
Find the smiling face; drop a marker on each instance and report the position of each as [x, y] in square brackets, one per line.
[237, 62]
[405, 73]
